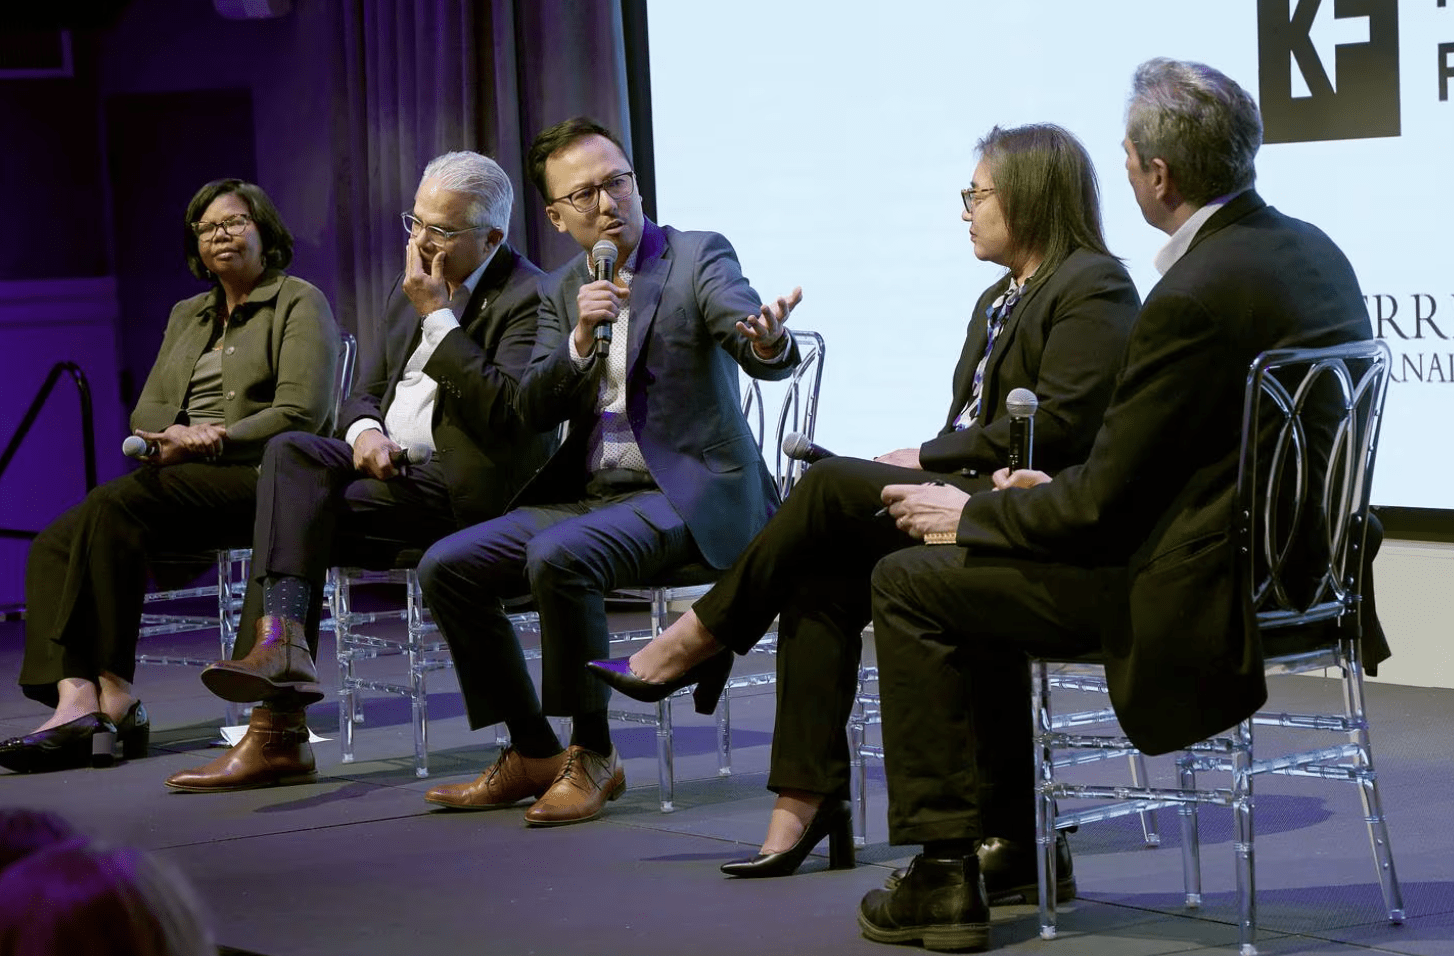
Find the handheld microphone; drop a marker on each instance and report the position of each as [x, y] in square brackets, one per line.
[1021, 404]
[603, 253]
[797, 447]
[407, 455]
[134, 446]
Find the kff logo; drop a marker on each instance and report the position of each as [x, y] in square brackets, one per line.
[1328, 69]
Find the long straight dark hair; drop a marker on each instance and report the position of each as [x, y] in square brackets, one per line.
[1046, 184]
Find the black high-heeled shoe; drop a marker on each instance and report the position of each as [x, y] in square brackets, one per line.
[86, 741]
[133, 732]
[709, 675]
[833, 819]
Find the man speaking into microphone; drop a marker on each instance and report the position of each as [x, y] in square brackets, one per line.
[1055, 323]
[660, 469]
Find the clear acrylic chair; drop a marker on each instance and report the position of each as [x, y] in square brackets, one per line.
[1302, 490]
[369, 635]
[233, 566]
[797, 411]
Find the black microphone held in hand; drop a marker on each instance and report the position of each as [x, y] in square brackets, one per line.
[407, 455]
[797, 447]
[134, 446]
[603, 254]
[1021, 404]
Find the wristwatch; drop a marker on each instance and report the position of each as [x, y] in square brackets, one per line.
[941, 537]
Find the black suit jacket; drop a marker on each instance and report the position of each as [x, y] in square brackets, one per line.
[1064, 341]
[1156, 494]
[483, 448]
[682, 395]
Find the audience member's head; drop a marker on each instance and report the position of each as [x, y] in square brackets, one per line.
[84, 899]
[1197, 121]
[23, 831]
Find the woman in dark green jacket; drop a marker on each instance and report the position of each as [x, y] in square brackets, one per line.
[250, 358]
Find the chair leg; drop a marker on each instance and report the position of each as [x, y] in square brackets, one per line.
[665, 768]
[343, 653]
[724, 734]
[1191, 851]
[1044, 795]
[1367, 780]
[1150, 829]
[418, 679]
[1245, 861]
[666, 777]
[227, 622]
[857, 775]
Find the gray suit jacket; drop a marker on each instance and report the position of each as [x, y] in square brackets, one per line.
[683, 400]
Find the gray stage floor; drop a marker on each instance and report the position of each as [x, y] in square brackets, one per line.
[358, 864]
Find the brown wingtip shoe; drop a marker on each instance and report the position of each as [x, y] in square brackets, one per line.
[581, 790]
[510, 779]
[274, 752]
[279, 663]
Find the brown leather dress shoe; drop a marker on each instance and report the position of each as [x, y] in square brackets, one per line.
[279, 663]
[510, 779]
[273, 752]
[580, 793]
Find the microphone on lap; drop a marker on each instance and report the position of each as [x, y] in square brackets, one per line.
[406, 455]
[134, 446]
[797, 447]
[603, 254]
[1021, 404]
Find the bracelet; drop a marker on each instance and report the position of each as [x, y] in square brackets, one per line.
[941, 537]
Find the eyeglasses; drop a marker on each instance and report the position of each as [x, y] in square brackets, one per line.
[588, 198]
[413, 225]
[230, 226]
[973, 197]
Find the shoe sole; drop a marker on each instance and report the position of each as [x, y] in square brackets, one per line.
[280, 782]
[250, 688]
[472, 806]
[948, 938]
[614, 794]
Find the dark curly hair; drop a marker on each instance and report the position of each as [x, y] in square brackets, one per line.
[277, 240]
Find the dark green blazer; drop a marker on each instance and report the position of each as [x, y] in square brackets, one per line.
[279, 364]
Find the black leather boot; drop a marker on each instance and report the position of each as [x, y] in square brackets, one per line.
[939, 903]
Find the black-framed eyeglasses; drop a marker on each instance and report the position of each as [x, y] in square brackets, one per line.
[413, 225]
[973, 197]
[230, 226]
[588, 198]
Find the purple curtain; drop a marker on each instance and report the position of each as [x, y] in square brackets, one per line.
[417, 78]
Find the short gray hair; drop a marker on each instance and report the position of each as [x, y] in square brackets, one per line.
[1205, 127]
[482, 178]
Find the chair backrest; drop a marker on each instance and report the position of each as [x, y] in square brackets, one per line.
[1309, 437]
[347, 357]
[797, 408]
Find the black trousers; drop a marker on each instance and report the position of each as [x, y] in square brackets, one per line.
[811, 564]
[567, 556]
[953, 634]
[86, 573]
[314, 511]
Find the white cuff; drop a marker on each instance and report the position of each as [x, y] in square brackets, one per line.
[359, 427]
